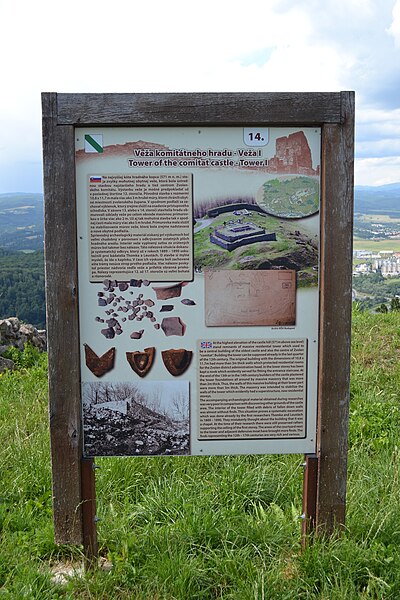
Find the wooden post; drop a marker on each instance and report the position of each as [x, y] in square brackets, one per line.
[335, 320]
[89, 513]
[62, 323]
[310, 486]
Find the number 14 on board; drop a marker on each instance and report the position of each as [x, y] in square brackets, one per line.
[255, 136]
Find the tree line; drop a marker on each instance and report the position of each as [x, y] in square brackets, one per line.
[22, 287]
[375, 284]
[382, 292]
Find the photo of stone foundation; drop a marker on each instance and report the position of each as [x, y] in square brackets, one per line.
[238, 233]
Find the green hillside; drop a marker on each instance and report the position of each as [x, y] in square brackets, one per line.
[21, 221]
[383, 199]
[22, 287]
[182, 528]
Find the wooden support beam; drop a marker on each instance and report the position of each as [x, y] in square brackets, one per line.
[335, 319]
[237, 109]
[89, 513]
[62, 323]
[310, 487]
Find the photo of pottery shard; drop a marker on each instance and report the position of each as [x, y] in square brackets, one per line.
[173, 326]
[141, 362]
[167, 292]
[99, 365]
[177, 361]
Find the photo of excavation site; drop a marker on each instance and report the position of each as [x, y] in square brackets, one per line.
[135, 419]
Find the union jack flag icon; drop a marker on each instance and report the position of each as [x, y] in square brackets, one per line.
[206, 344]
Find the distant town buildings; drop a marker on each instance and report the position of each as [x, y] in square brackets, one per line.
[386, 262]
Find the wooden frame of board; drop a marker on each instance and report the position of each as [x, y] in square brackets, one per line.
[325, 473]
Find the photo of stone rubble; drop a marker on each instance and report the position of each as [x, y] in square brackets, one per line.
[134, 419]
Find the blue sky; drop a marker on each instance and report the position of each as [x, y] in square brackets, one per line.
[210, 46]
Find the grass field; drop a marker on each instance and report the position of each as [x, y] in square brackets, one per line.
[372, 218]
[204, 528]
[376, 245]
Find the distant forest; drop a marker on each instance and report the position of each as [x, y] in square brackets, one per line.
[22, 287]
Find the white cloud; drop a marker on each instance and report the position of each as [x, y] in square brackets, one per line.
[375, 124]
[218, 45]
[394, 28]
[379, 148]
[377, 171]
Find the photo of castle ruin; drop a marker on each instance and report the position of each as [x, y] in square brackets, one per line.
[134, 419]
[293, 156]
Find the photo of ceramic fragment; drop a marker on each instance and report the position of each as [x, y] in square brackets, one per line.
[177, 361]
[136, 335]
[141, 362]
[99, 365]
[167, 292]
[166, 308]
[173, 326]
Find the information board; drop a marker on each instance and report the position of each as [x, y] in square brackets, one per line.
[198, 260]
[198, 264]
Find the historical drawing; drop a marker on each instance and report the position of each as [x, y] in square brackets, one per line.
[245, 298]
